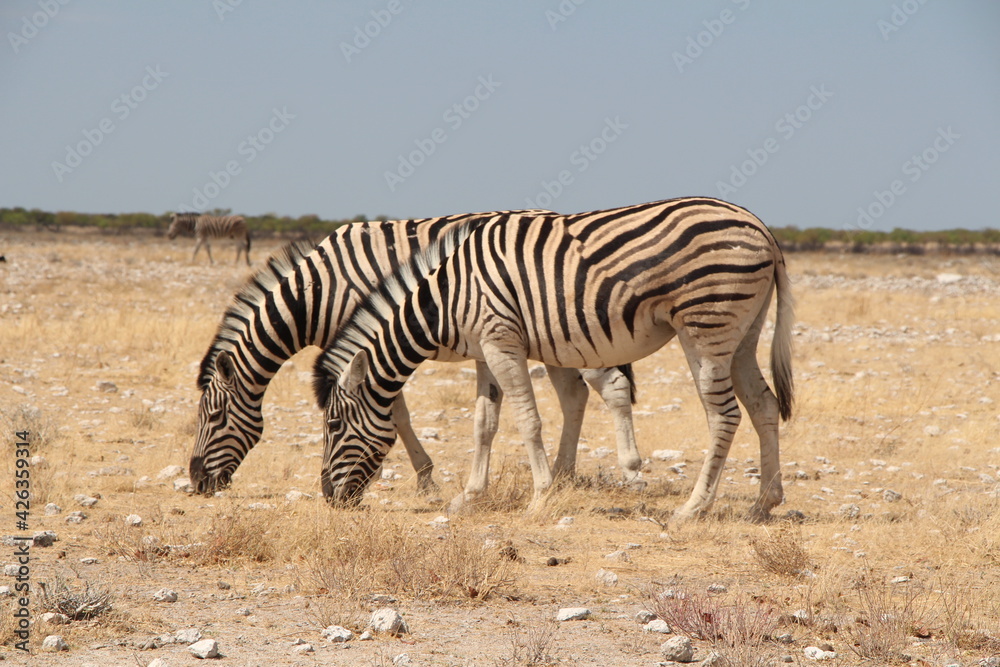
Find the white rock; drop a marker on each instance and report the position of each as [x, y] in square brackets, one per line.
[366, 636]
[6, 592]
[206, 648]
[44, 538]
[644, 616]
[429, 433]
[402, 659]
[165, 595]
[891, 496]
[85, 501]
[89, 560]
[75, 517]
[106, 387]
[717, 588]
[602, 453]
[439, 522]
[133, 520]
[850, 511]
[300, 649]
[900, 580]
[619, 555]
[573, 614]
[565, 522]
[55, 619]
[337, 634]
[948, 278]
[51, 509]
[157, 662]
[388, 620]
[667, 454]
[295, 495]
[677, 649]
[259, 507]
[657, 625]
[54, 644]
[606, 577]
[38, 461]
[187, 636]
[816, 653]
[183, 485]
[170, 471]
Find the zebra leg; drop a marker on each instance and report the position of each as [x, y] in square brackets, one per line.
[762, 405]
[715, 387]
[510, 367]
[489, 397]
[573, 395]
[197, 247]
[208, 249]
[418, 455]
[616, 390]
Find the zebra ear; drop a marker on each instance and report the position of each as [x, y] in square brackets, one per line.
[355, 372]
[225, 367]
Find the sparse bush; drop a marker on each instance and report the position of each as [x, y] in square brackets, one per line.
[42, 428]
[238, 536]
[781, 552]
[79, 604]
[530, 647]
[887, 616]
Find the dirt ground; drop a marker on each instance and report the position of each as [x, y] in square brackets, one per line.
[887, 548]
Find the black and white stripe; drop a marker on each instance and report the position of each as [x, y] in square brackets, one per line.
[300, 298]
[587, 290]
[206, 227]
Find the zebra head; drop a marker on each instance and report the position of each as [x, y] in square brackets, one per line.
[181, 222]
[358, 434]
[228, 425]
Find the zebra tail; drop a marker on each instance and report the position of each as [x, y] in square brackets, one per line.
[629, 374]
[781, 345]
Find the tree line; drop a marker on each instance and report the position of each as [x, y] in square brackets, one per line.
[271, 224]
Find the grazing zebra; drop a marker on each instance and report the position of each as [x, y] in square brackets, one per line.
[300, 298]
[586, 290]
[206, 227]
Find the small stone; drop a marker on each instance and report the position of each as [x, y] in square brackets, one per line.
[366, 636]
[300, 649]
[933, 430]
[44, 538]
[295, 495]
[133, 520]
[51, 509]
[337, 634]
[224, 585]
[243, 611]
[6, 592]
[106, 387]
[948, 278]
[388, 620]
[206, 648]
[54, 644]
[187, 636]
[439, 522]
[429, 433]
[900, 580]
[53, 618]
[38, 461]
[657, 625]
[891, 496]
[402, 659]
[165, 595]
[170, 471]
[644, 616]
[573, 614]
[677, 649]
[786, 638]
[183, 485]
[606, 577]
[85, 501]
[619, 555]
[715, 660]
[157, 662]
[849, 511]
[75, 516]
[816, 653]
[537, 372]
[565, 522]
[667, 454]
[10, 570]
[89, 560]
[717, 588]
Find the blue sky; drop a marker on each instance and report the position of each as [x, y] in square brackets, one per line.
[873, 114]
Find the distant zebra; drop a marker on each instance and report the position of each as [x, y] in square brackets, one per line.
[300, 298]
[206, 227]
[586, 290]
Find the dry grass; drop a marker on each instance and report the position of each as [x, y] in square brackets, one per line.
[879, 409]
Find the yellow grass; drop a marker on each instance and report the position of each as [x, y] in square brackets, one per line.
[914, 412]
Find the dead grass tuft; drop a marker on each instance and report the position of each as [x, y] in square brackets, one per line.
[238, 536]
[42, 428]
[887, 616]
[533, 646]
[78, 603]
[781, 552]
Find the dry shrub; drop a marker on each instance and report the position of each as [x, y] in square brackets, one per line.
[80, 603]
[530, 647]
[238, 536]
[887, 615]
[125, 542]
[739, 629]
[962, 621]
[41, 427]
[378, 553]
[781, 552]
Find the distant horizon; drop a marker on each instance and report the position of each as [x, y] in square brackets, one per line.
[840, 115]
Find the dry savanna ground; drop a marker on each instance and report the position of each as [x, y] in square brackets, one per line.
[886, 551]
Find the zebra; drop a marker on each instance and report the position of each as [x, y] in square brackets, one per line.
[299, 298]
[206, 227]
[592, 289]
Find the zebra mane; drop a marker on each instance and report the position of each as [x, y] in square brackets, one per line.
[252, 294]
[357, 332]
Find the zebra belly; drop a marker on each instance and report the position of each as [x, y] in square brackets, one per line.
[599, 351]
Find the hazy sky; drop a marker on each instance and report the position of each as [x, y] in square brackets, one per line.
[805, 112]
